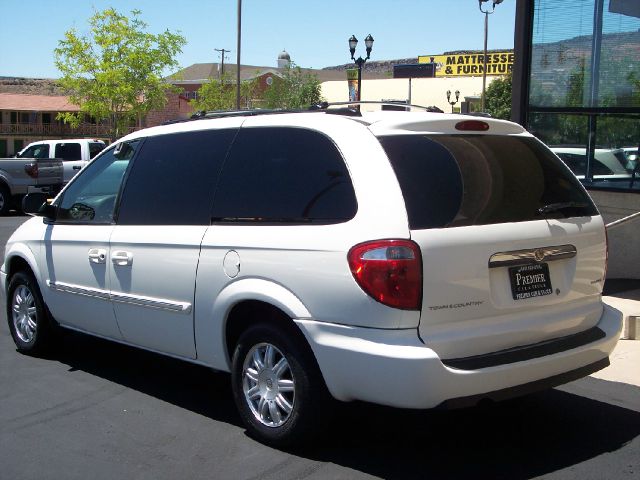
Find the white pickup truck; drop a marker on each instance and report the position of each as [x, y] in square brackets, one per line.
[74, 153]
[19, 176]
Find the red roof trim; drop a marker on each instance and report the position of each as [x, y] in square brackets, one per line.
[36, 103]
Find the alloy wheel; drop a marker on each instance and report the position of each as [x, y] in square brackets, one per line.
[24, 313]
[268, 385]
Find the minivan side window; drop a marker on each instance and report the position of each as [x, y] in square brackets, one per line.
[284, 175]
[173, 179]
[91, 197]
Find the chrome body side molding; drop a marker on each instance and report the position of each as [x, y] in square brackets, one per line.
[149, 302]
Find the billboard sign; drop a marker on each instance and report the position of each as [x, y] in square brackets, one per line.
[414, 70]
[471, 64]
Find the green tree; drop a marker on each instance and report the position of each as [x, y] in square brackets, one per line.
[498, 98]
[294, 89]
[115, 72]
[220, 94]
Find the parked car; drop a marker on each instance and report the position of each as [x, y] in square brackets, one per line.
[407, 259]
[632, 157]
[609, 164]
[74, 153]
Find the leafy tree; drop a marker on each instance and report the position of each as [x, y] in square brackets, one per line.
[295, 89]
[115, 72]
[220, 94]
[575, 88]
[497, 99]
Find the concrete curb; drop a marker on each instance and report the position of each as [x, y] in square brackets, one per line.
[629, 304]
[625, 358]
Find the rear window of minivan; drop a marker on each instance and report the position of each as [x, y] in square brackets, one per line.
[462, 180]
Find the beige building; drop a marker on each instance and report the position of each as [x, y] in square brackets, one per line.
[424, 91]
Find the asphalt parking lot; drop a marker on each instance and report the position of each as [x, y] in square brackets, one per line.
[94, 409]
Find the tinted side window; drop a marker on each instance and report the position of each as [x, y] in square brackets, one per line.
[290, 175]
[91, 197]
[173, 179]
[460, 180]
[576, 162]
[95, 148]
[68, 151]
[36, 151]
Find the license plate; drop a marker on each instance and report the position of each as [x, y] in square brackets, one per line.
[528, 281]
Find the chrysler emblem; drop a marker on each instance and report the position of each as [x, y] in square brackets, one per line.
[539, 255]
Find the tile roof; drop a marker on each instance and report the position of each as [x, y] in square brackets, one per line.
[38, 103]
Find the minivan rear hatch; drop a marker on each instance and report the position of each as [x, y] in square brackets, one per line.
[513, 248]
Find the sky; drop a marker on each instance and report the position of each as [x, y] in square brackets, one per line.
[314, 33]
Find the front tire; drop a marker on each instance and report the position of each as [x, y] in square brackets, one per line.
[27, 315]
[277, 386]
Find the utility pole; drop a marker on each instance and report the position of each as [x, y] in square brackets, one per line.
[238, 61]
[222, 52]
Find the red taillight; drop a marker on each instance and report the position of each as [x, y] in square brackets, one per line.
[390, 271]
[472, 126]
[31, 169]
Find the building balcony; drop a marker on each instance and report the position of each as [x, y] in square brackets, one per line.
[57, 130]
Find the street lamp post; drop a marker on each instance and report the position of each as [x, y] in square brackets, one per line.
[486, 12]
[457, 94]
[353, 42]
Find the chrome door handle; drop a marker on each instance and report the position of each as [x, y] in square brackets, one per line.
[97, 255]
[122, 258]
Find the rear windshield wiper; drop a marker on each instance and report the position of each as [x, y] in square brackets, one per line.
[554, 207]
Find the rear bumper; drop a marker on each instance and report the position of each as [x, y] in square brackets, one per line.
[392, 367]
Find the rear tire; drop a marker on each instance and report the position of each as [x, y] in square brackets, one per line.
[28, 318]
[277, 386]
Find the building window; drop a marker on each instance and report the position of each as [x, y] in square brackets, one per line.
[584, 89]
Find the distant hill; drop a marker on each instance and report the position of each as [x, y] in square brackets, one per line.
[30, 86]
[555, 65]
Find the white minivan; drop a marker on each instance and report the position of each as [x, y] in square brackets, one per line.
[407, 259]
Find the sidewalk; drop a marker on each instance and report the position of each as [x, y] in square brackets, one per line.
[625, 358]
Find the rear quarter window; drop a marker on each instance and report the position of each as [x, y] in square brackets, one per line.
[462, 180]
[95, 148]
[284, 175]
[68, 151]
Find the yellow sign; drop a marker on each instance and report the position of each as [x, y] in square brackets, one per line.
[470, 64]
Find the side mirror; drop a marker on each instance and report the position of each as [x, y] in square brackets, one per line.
[39, 204]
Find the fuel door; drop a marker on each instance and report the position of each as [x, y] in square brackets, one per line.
[231, 264]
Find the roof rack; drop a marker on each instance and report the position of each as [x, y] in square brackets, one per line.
[204, 115]
[477, 114]
[327, 105]
[350, 109]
